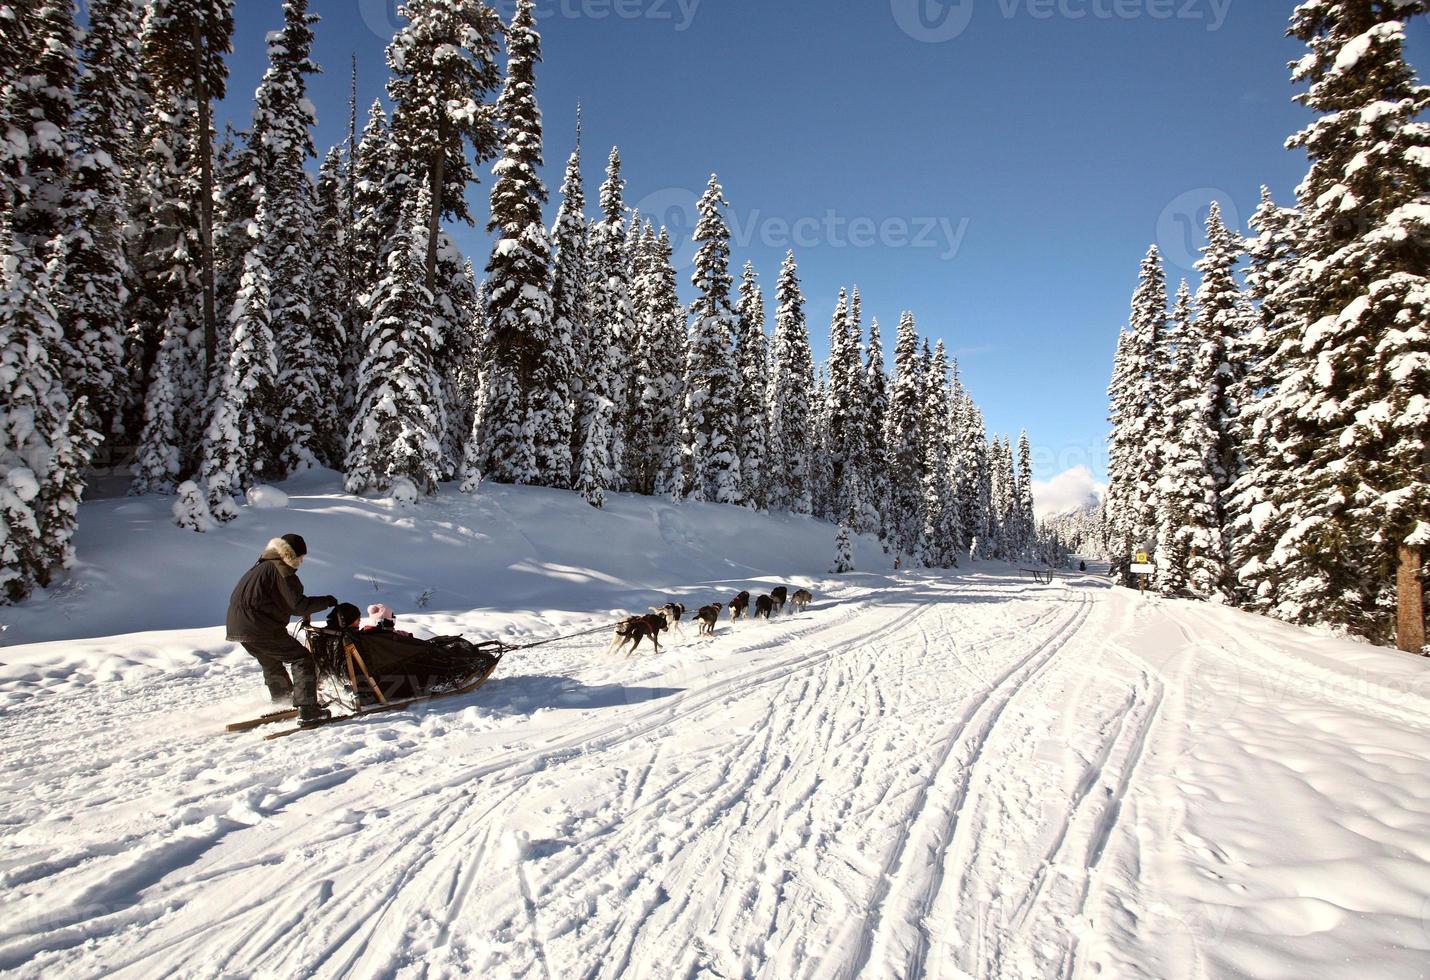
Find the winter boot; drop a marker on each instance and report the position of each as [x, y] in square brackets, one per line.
[311, 716]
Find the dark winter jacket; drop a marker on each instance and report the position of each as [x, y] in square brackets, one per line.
[269, 595]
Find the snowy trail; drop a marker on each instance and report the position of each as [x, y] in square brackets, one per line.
[963, 776]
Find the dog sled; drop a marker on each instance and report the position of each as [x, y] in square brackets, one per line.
[366, 672]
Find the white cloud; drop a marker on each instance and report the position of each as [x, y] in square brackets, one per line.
[1070, 490]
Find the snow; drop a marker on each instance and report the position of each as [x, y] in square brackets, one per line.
[264, 497]
[963, 774]
[1356, 48]
[404, 492]
[22, 481]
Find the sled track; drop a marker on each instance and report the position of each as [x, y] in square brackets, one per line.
[938, 809]
[443, 834]
[723, 839]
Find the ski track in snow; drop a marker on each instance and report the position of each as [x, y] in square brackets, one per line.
[970, 775]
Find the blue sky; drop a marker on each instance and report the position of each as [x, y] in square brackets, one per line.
[997, 166]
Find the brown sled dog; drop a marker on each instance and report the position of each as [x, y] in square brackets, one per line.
[638, 628]
[708, 616]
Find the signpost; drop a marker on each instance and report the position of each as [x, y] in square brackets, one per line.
[1143, 568]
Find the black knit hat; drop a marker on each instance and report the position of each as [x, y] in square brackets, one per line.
[296, 542]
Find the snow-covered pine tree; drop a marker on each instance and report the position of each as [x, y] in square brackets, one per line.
[709, 423]
[39, 109]
[1121, 407]
[518, 277]
[843, 550]
[752, 363]
[191, 511]
[281, 143]
[330, 311]
[444, 66]
[1149, 328]
[643, 394]
[1001, 533]
[1274, 440]
[595, 422]
[396, 429]
[598, 423]
[18, 53]
[672, 339]
[875, 464]
[971, 476]
[166, 443]
[953, 401]
[471, 379]
[940, 505]
[611, 325]
[821, 467]
[183, 46]
[237, 188]
[570, 323]
[44, 443]
[378, 187]
[1136, 403]
[847, 424]
[1180, 487]
[452, 320]
[1023, 500]
[279, 146]
[905, 441]
[1208, 429]
[166, 333]
[111, 98]
[790, 386]
[237, 441]
[1362, 509]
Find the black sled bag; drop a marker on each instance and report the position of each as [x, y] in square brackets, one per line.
[405, 667]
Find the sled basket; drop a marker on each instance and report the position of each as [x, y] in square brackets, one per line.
[379, 666]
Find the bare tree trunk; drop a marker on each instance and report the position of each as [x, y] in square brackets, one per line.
[434, 220]
[1410, 602]
[206, 204]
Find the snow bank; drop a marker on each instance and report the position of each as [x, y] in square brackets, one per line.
[267, 498]
[505, 557]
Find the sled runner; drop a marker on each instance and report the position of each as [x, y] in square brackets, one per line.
[271, 718]
[467, 688]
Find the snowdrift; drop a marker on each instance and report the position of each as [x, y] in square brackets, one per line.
[506, 563]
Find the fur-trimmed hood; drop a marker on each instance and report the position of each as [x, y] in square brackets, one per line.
[281, 551]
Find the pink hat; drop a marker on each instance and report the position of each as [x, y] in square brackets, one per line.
[377, 612]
